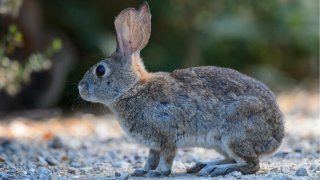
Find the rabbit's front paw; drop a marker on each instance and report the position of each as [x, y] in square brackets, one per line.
[157, 173]
[139, 172]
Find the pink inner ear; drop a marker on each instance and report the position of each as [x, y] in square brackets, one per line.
[129, 31]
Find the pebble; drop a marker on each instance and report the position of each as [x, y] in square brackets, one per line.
[119, 164]
[56, 143]
[2, 160]
[72, 170]
[236, 174]
[44, 173]
[51, 161]
[282, 177]
[285, 169]
[281, 154]
[117, 174]
[302, 171]
[315, 167]
[4, 176]
[277, 176]
[123, 176]
[42, 160]
[113, 154]
[76, 164]
[298, 150]
[137, 157]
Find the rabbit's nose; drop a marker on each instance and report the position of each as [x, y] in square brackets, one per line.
[82, 85]
[79, 87]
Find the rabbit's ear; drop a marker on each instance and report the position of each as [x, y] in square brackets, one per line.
[145, 17]
[129, 31]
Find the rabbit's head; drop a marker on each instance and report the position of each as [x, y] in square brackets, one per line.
[110, 78]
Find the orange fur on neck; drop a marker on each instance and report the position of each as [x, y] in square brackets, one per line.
[138, 66]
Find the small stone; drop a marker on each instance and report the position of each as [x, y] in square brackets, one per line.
[129, 159]
[276, 176]
[44, 170]
[5, 176]
[236, 174]
[113, 154]
[119, 164]
[295, 156]
[137, 157]
[72, 170]
[2, 159]
[42, 160]
[54, 177]
[283, 177]
[123, 176]
[315, 167]
[51, 161]
[117, 174]
[285, 169]
[269, 175]
[76, 164]
[82, 171]
[298, 150]
[44, 173]
[281, 154]
[302, 171]
[56, 143]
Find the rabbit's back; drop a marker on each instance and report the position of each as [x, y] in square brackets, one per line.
[199, 107]
[223, 83]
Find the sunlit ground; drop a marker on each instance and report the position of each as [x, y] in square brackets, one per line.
[45, 144]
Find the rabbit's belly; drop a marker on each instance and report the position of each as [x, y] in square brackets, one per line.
[144, 140]
[209, 140]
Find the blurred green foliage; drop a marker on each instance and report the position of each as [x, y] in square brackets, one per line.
[12, 72]
[275, 41]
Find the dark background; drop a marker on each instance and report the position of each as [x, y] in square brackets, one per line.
[275, 41]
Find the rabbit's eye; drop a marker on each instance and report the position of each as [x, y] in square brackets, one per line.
[100, 70]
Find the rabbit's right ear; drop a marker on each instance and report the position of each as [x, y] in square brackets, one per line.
[145, 17]
[129, 31]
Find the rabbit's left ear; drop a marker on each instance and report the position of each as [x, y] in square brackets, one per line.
[129, 31]
[145, 17]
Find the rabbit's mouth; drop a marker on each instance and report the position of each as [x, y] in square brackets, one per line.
[85, 92]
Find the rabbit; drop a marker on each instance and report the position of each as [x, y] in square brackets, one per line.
[208, 106]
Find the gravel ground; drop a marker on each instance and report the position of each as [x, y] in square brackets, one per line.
[84, 146]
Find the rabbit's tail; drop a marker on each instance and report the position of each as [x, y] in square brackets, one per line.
[278, 128]
[274, 143]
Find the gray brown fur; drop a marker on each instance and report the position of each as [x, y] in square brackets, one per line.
[209, 107]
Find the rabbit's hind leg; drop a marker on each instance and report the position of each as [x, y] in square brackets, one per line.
[247, 161]
[151, 164]
[244, 168]
[205, 167]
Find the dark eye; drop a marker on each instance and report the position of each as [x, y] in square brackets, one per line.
[100, 70]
